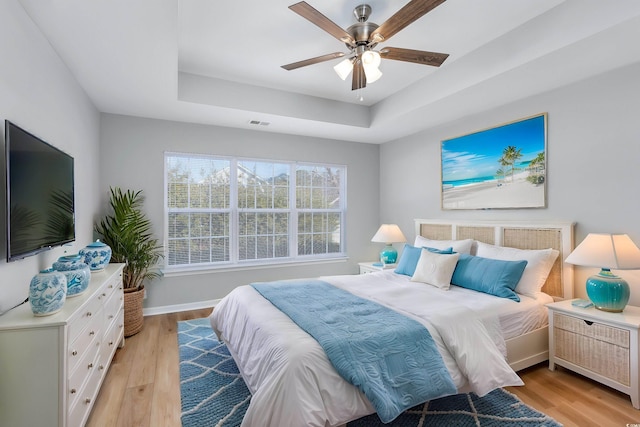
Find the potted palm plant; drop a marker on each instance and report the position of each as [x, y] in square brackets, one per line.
[127, 230]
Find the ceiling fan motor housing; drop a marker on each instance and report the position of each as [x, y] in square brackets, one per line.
[361, 30]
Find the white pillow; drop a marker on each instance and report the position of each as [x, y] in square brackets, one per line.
[539, 264]
[435, 269]
[459, 246]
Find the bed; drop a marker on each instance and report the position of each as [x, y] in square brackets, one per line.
[482, 338]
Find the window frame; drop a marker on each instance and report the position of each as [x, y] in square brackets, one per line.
[234, 262]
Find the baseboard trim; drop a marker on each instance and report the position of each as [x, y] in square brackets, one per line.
[152, 311]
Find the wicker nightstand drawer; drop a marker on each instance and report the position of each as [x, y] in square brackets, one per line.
[606, 359]
[594, 330]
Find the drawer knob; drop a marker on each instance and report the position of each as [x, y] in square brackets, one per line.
[101, 367]
[90, 365]
[87, 401]
[73, 391]
[110, 343]
[74, 353]
[92, 333]
[88, 314]
[110, 316]
[110, 286]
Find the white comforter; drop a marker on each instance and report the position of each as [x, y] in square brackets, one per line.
[294, 384]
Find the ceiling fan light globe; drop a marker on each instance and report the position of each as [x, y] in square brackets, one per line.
[372, 73]
[343, 68]
[371, 58]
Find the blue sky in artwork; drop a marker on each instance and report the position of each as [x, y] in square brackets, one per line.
[476, 155]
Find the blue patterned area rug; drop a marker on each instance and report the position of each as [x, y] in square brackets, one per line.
[214, 394]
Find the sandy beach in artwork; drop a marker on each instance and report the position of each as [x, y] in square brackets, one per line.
[495, 194]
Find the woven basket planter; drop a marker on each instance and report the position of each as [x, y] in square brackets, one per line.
[133, 318]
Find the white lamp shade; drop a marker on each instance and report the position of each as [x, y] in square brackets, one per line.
[372, 73]
[612, 251]
[343, 69]
[371, 58]
[370, 63]
[389, 233]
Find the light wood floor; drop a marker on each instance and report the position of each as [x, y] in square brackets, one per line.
[142, 387]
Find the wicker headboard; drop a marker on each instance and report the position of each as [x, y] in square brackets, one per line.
[521, 235]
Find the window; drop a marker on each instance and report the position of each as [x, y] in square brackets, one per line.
[227, 211]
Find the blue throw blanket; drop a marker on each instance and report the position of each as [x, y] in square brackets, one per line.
[390, 357]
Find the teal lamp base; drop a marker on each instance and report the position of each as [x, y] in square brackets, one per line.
[607, 291]
[389, 255]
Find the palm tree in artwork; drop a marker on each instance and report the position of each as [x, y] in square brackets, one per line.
[537, 169]
[538, 162]
[510, 155]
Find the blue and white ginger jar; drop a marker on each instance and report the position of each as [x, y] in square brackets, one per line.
[97, 255]
[47, 292]
[77, 272]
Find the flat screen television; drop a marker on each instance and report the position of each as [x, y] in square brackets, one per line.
[40, 194]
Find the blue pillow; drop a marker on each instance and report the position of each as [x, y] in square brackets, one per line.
[491, 276]
[410, 257]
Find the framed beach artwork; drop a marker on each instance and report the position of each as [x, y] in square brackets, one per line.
[503, 167]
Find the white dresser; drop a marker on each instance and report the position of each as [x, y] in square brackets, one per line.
[51, 367]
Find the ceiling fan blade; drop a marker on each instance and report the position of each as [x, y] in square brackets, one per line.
[412, 11]
[308, 12]
[417, 56]
[359, 77]
[312, 61]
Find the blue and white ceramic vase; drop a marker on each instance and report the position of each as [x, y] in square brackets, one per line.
[77, 272]
[47, 292]
[96, 255]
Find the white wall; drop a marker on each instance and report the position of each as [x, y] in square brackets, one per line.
[39, 94]
[132, 157]
[593, 163]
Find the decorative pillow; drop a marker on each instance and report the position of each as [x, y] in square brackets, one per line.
[410, 256]
[539, 264]
[491, 276]
[435, 269]
[459, 246]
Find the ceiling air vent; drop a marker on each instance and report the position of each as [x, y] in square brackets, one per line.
[258, 122]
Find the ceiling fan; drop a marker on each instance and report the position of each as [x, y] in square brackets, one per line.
[362, 37]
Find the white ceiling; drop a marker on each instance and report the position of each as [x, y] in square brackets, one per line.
[212, 62]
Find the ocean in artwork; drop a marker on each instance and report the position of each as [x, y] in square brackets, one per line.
[502, 167]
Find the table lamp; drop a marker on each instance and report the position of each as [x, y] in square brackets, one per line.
[389, 234]
[607, 291]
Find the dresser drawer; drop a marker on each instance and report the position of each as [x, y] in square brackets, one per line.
[599, 348]
[80, 407]
[84, 369]
[83, 342]
[113, 305]
[87, 314]
[115, 285]
[112, 339]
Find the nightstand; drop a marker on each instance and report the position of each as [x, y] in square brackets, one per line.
[597, 344]
[368, 267]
